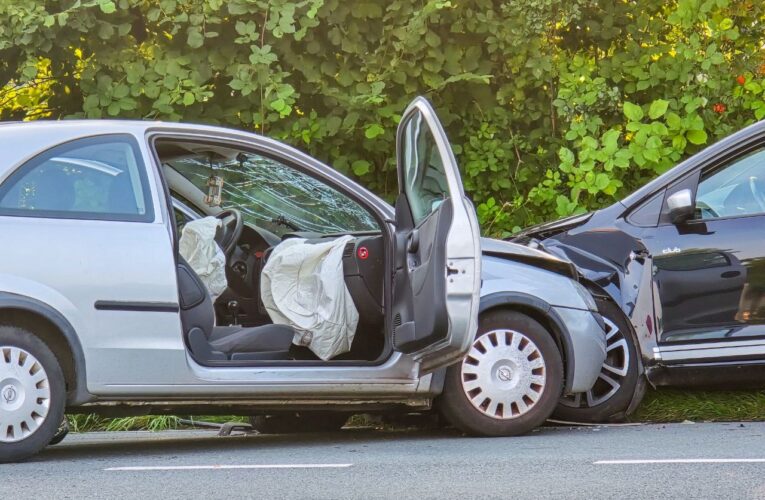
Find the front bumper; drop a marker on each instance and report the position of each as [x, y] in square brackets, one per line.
[587, 339]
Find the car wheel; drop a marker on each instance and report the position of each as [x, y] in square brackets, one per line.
[510, 380]
[615, 389]
[299, 422]
[32, 394]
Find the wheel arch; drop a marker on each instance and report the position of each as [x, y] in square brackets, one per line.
[542, 312]
[55, 330]
[600, 293]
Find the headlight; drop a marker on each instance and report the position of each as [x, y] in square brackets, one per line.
[586, 296]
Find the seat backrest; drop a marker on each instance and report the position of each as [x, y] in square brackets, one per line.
[197, 309]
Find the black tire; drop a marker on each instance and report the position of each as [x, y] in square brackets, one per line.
[299, 422]
[14, 451]
[625, 398]
[61, 433]
[455, 402]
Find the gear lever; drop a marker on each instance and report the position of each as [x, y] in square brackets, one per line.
[233, 309]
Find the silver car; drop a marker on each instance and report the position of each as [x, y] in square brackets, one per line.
[100, 313]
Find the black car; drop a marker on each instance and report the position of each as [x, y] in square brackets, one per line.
[678, 269]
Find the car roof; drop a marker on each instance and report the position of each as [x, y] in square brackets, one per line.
[21, 140]
[109, 126]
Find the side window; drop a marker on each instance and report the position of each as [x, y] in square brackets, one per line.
[101, 178]
[425, 181]
[735, 189]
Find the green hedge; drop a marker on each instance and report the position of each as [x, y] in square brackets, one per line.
[553, 106]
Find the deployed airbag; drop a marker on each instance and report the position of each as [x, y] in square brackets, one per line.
[303, 286]
[198, 246]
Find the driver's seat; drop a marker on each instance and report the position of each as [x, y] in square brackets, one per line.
[210, 343]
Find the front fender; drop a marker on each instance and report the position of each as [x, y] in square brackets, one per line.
[629, 284]
[577, 331]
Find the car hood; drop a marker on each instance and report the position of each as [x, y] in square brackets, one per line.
[528, 255]
[548, 229]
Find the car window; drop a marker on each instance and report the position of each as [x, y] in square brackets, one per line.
[736, 189]
[94, 178]
[425, 181]
[275, 196]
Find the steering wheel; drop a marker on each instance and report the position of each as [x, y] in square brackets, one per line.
[755, 188]
[230, 232]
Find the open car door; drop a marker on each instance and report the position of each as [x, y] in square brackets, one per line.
[437, 247]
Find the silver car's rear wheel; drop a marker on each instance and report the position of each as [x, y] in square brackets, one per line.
[24, 394]
[504, 374]
[32, 394]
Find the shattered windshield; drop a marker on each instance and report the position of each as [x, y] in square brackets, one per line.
[277, 197]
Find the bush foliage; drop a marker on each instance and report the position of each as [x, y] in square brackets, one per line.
[553, 107]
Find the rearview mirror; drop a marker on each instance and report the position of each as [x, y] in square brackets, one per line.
[680, 206]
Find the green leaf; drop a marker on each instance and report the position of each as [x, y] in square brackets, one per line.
[674, 121]
[566, 156]
[195, 38]
[658, 108]
[188, 99]
[697, 136]
[278, 105]
[633, 111]
[107, 7]
[601, 181]
[373, 131]
[360, 167]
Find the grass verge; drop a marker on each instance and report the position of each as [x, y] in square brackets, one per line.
[677, 405]
[663, 405]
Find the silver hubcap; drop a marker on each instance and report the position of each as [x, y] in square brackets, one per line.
[24, 394]
[612, 373]
[504, 374]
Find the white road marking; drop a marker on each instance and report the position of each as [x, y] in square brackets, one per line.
[683, 461]
[221, 467]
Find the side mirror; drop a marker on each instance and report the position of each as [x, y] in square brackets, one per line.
[680, 206]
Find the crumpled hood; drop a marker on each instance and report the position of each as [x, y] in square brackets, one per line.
[528, 255]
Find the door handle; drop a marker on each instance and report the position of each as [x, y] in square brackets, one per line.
[413, 243]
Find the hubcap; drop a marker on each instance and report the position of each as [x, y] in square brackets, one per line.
[504, 374]
[615, 368]
[24, 394]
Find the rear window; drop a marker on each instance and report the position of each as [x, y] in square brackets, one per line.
[95, 178]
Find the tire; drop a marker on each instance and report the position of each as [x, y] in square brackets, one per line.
[299, 422]
[61, 433]
[617, 390]
[510, 388]
[32, 394]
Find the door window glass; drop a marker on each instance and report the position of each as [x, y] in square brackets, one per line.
[273, 195]
[736, 189]
[425, 182]
[94, 178]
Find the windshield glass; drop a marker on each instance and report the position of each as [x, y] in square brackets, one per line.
[275, 196]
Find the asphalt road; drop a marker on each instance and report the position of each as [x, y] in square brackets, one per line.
[673, 461]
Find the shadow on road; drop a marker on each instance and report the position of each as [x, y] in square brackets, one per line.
[146, 444]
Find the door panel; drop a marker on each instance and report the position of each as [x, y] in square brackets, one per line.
[437, 254]
[710, 279]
